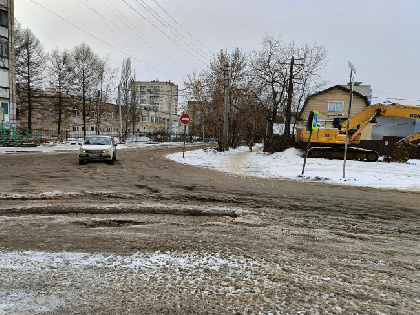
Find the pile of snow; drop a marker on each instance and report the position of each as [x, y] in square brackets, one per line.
[289, 165]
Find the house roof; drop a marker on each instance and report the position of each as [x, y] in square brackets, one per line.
[340, 87]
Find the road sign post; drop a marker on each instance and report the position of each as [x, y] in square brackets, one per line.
[185, 120]
[310, 126]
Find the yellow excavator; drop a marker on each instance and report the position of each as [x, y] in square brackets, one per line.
[336, 136]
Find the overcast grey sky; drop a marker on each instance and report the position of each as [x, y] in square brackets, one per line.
[380, 37]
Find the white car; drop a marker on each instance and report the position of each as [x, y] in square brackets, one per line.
[98, 148]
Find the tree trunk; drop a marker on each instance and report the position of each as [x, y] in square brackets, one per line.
[60, 108]
[84, 106]
[29, 94]
[29, 107]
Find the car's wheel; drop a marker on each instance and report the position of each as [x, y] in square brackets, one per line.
[110, 162]
[114, 157]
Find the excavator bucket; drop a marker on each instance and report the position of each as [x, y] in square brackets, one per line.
[399, 154]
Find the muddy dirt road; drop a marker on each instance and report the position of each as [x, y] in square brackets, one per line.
[150, 236]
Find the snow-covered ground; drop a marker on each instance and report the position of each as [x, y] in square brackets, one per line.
[66, 272]
[289, 165]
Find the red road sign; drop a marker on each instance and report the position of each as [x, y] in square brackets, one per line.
[185, 119]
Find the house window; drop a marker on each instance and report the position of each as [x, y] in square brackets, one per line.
[76, 128]
[335, 106]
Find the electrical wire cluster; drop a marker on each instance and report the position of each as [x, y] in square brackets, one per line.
[134, 28]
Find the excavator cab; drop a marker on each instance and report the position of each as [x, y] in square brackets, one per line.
[338, 123]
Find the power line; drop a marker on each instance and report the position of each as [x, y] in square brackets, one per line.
[192, 17]
[147, 41]
[95, 37]
[162, 32]
[183, 28]
[168, 26]
[104, 19]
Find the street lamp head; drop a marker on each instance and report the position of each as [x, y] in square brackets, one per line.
[352, 67]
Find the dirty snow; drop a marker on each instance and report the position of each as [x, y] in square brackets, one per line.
[289, 165]
[64, 270]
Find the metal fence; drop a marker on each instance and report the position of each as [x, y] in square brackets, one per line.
[137, 137]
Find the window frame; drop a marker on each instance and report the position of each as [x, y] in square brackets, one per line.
[335, 106]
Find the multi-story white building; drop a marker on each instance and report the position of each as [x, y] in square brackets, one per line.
[7, 62]
[159, 105]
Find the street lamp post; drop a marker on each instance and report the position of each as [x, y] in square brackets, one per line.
[352, 69]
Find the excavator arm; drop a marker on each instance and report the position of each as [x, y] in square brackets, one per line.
[410, 139]
[391, 110]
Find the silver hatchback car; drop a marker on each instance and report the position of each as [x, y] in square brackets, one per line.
[98, 148]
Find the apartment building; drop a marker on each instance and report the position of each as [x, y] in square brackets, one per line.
[7, 63]
[158, 102]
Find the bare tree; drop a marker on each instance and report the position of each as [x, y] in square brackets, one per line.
[106, 85]
[282, 75]
[126, 85]
[30, 66]
[207, 93]
[312, 59]
[85, 66]
[59, 73]
[269, 75]
[135, 110]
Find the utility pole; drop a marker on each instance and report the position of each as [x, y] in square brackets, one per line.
[226, 107]
[119, 105]
[170, 111]
[289, 102]
[352, 69]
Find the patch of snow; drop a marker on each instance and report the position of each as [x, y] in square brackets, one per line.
[289, 164]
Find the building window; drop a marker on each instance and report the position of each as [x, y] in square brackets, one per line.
[335, 106]
[4, 48]
[5, 107]
[3, 18]
[76, 112]
[76, 128]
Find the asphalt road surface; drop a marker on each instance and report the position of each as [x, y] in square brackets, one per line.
[150, 236]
